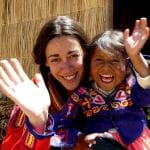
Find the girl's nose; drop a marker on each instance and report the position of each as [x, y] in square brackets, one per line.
[107, 65]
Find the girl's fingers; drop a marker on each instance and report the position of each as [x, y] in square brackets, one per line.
[126, 34]
[143, 22]
[137, 24]
[145, 29]
[107, 135]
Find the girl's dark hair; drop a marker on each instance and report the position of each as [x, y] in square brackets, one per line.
[58, 26]
[109, 40]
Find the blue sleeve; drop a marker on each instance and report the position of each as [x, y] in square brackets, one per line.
[140, 95]
[65, 124]
[48, 131]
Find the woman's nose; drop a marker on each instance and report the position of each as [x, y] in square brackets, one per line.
[66, 64]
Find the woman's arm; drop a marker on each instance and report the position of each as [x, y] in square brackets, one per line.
[33, 99]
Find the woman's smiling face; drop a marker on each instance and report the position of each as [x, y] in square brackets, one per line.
[107, 70]
[64, 57]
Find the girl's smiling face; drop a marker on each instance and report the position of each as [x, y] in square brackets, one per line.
[64, 57]
[108, 69]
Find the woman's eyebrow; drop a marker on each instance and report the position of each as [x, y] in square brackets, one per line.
[53, 55]
[57, 55]
[73, 51]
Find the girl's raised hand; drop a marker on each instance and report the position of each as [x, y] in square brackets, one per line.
[135, 42]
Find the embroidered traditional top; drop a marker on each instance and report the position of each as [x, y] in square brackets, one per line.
[90, 110]
[122, 110]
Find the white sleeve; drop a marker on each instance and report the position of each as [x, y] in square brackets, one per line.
[144, 82]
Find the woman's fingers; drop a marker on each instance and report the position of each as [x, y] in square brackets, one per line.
[11, 76]
[38, 80]
[5, 78]
[14, 70]
[9, 70]
[18, 69]
[7, 90]
[7, 86]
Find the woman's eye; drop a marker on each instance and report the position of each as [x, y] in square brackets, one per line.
[75, 56]
[55, 60]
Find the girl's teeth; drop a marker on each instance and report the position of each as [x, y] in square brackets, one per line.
[106, 78]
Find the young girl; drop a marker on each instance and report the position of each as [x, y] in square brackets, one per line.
[114, 100]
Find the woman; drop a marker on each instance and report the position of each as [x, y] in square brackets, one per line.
[59, 51]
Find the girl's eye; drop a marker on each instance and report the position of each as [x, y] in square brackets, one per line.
[115, 61]
[98, 60]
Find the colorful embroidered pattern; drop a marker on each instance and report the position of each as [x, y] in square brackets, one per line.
[93, 102]
[30, 140]
[20, 119]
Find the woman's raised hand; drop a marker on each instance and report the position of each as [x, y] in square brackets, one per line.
[32, 97]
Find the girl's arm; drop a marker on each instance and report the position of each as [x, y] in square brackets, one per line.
[134, 44]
